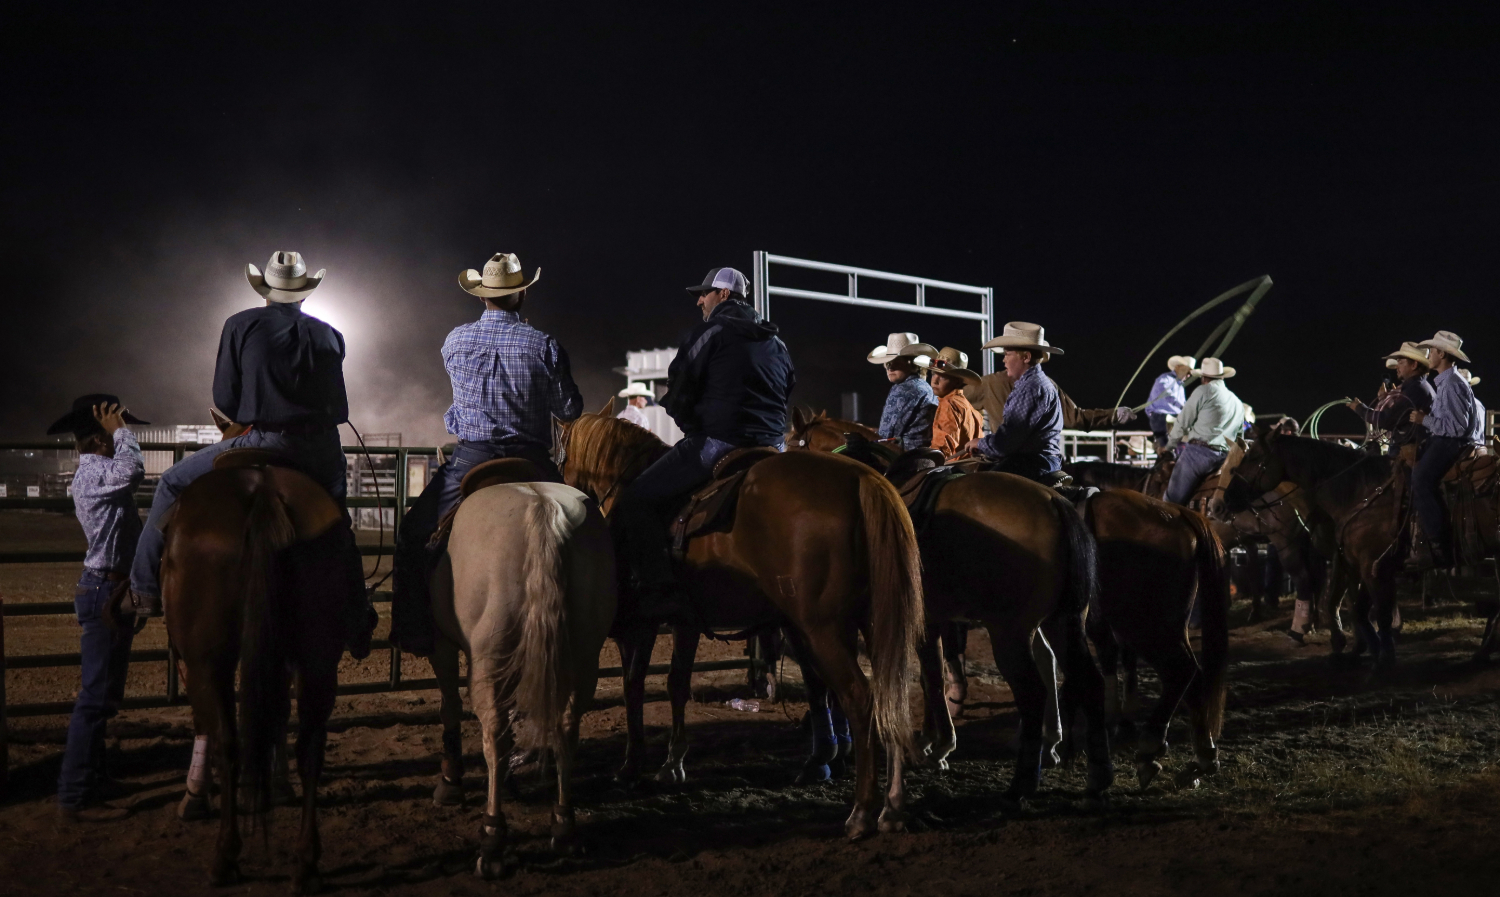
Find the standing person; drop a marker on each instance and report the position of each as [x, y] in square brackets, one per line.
[281, 372]
[109, 471]
[1393, 407]
[910, 406]
[1167, 397]
[509, 380]
[1210, 420]
[636, 396]
[956, 423]
[727, 388]
[1452, 426]
[1028, 441]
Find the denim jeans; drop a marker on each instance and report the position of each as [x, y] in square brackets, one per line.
[1159, 428]
[106, 654]
[321, 456]
[1194, 462]
[1438, 455]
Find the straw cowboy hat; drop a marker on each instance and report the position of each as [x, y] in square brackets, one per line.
[1186, 361]
[1023, 336]
[1465, 375]
[286, 278]
[1408, 350]
[899, 345]
[1448, 341]
[80, 421]
[1213, 369]
[637, 389]
[950, 363]
[502, 276]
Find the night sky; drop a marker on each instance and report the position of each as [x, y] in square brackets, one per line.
[1106, 173]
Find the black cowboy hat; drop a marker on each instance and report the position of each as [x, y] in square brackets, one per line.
[80, 421]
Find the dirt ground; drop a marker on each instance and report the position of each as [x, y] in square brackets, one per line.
[1331, 784]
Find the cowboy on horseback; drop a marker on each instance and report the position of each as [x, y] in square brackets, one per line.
[1168, 396]
[509, 380]
[1393, 407]
[957, 422]
[1028, 441]
[728, 388]
[1452, 426]
[1211, 419]
[910, 407]
[281, 373]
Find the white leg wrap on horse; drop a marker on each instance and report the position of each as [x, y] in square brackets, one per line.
[197, 779]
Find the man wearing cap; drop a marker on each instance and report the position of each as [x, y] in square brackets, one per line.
[1167, 397]
[509, 380]
[281, 372]
[1211, 419]
[1028, 440]
[1452, 426]
[110, 469]
[910, 406]
[635, 396]
[956, 423]
[1393, 407]
[727, 388]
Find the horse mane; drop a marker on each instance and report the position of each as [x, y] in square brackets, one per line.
[605, 447]
[1343, 474]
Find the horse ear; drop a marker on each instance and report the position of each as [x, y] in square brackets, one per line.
[609, 408]
[823, 415]
[799, 420]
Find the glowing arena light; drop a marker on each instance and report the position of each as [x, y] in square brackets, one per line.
[330, 310]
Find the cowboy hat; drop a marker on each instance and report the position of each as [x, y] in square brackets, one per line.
[1213, 369]
[81, 422]
[899, 344]
[502, 276]
[950, 363]
[1448, 341]
[286, 278]
[1409, 350]
[1023, 336]
[637, 389]
[1466, 376]
[1186, 361]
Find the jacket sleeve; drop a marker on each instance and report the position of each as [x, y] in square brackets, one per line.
[920, 432]
[564, 401]
[125, 471]
[945, 427]
[339, 400]
[1075, 418]
[227, 374]
[685, 376]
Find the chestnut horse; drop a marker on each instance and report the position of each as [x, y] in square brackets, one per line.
[255, 578]
[818, 544]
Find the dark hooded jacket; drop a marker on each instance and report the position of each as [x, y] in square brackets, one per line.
[731, 379]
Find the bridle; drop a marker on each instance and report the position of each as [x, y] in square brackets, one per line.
[628, 471]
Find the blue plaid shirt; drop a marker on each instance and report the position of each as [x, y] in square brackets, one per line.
[908, 414]
[1033, 421]
[104, 500]
[509, 379]
[1453, 413]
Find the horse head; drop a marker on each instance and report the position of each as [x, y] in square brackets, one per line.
[598, 454]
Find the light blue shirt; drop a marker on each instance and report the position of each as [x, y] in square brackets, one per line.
[1212, 415]
[1453, 409]
[104, 500]
[1167, 395]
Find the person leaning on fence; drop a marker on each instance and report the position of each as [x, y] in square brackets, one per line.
[910, 406]
[1393, 407]
[1210, 420]
[109, 472]
[1028, 442]
[956, 423]
[281, 373]
[509, 380]
[1452, 426]
[1167, 397]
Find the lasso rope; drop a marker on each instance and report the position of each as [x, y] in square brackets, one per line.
[1317, 416]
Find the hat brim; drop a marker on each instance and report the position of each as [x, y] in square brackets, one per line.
[964, 374]
[1010, 342]
[277, 294]
[1448, 350]
[882, 353]
[1398, 354]
[1181, 360]
[1228, 372]
[472, 282]
[79, 421]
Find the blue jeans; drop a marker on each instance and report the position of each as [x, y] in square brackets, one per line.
[1158, 423]
[321, 456]
[1438, 455]
[1032, 466]
[1194, 462]
[106, 654]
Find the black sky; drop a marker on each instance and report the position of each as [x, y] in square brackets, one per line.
[1105, 172]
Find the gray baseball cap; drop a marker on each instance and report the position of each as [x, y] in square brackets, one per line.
[722, 279]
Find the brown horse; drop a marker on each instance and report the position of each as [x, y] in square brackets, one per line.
[818, 544]
[1009, 554]
[255, 578]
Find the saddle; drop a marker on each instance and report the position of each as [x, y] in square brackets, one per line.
[495, 472]
[254, 457]
[711, 509]
[921, 490]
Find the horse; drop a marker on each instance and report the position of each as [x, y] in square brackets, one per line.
[255, 578]
[526, 590]
[818, 544]
[1011, 555]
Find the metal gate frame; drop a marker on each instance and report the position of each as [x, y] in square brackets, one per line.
[761, 283]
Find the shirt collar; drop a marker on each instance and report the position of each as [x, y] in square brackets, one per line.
[1031, 373]
[499, 316]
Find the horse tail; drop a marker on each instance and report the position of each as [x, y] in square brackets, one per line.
[541, 663]
[1079, 554]
[896, 611]
[1213, 594]
[263, 688]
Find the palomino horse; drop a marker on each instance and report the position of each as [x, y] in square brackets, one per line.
[527, 591]
[1009, 554]
[255, 577]
[818, 544]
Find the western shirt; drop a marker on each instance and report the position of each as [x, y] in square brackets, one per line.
[1212, 415]
[955, 424]
[1453, 409]
[909, 410]
[104, 500]
[990, 395]
[278, 367]
[509, 380]
[1033, 420]
[1167, 395]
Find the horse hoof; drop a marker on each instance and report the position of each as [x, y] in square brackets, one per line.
[672, 775]
[489, 870]
[194, 807]
[567, 845]
[1145, 772]
[860, 825]
[1188, 780]
[1095, 802]
[1051, 759]
[224, 875]
[812, 775]
[1010, 803]
[891, 822]
[1100, 777]
[448, 794]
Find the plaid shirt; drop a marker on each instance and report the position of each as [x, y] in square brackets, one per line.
[908, 414]
[1033, 421]
[104, 500]
[509, 379]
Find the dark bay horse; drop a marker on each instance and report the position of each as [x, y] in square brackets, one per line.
[255, 579]
[818, 544]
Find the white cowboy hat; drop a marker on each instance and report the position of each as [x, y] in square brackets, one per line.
[502, 276]
[1465, 375]
[899, 344]
[1448, 341]
[1186, 361]
[1213, 369]
[286, 278]
[949, 362]
[1409, 350]
[636, 389]
[1021, 335]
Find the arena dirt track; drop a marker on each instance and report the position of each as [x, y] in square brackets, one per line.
[1330, 786]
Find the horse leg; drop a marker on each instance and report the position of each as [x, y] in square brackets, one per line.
[679, 689]
[282, 794]
[494, 723]
[635, 657]
[1382, 589]
[955, 637]
[1052, 723]
[938, 739]
[315, 696]
[1334, 587]
[817, 767]
[194, 805]
[1014, 658]
[1178, 671]
[564, 823]
[1365, 636]
[1085, 686]
[834, 656]
[450, 785]
[225, 869]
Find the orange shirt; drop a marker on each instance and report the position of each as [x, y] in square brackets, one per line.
[955, 424]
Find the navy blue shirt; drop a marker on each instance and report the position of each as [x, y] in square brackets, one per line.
[278, 366]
